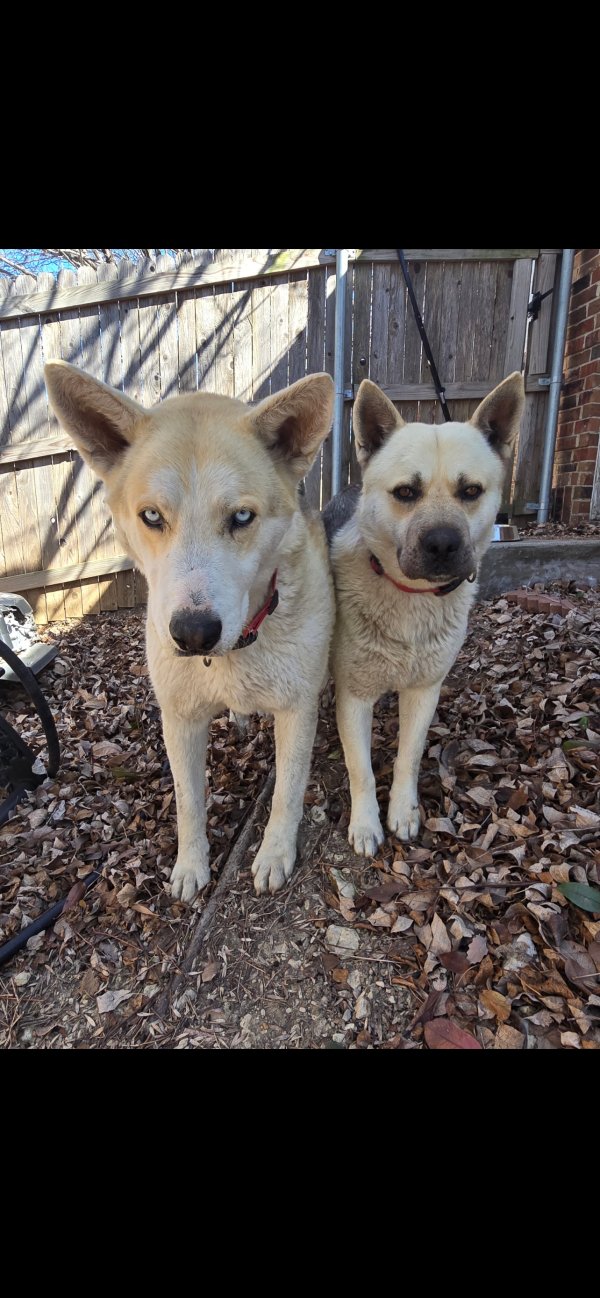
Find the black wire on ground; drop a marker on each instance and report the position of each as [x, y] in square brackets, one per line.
[20, 775]
[43, 921]
[30, 685]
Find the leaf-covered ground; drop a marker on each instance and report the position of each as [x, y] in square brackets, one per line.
[481, 935]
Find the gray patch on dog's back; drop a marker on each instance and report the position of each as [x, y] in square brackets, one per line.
[340, 509]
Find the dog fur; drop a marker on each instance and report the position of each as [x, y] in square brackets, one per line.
[421, 514]
[181, 480]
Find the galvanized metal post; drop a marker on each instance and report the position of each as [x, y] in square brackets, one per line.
[341, 270]
[558, 352]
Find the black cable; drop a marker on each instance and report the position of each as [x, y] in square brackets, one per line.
[43, 921]
[30, 685]
[440, 389]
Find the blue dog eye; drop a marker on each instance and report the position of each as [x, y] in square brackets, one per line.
[242, 517]
[151, 518]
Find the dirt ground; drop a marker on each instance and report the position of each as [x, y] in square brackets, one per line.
[466, 939]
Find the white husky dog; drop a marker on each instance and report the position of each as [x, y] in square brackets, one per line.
[204, 493]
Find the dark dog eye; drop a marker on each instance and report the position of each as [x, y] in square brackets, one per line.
[404, 492]
[471, 492]
[242, 518]
[152, 518]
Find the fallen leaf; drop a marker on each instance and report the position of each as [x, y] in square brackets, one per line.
[440, 941]
[581, 895]
[508, 1038]
[443, 1034]
[455, 961]
[499, 1005]
[109, 1001]
[477, 950]
[342, 939]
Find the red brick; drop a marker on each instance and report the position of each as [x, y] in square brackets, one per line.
[591, 367]
[587, 425]
[578, 330]
[572, 385]
[587, 439]
[595, 275]
[587, 254]
[579, 313]
[587, 295]
[592, 340]
[582, 456]
[591, 381]
[593, 410]
[576, 354]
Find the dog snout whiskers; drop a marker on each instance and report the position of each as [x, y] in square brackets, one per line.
[195, 633]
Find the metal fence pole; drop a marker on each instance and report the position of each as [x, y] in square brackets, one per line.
[558, 352]
[341, 270]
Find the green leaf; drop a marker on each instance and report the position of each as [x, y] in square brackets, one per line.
[581, 895]
[124, 773]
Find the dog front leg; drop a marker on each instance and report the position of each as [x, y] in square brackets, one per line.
[415, 708]
[355, 720]
[186, 749]
[294, 739]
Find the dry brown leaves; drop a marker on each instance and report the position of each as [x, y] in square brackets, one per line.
[465, 939]
[510, 795]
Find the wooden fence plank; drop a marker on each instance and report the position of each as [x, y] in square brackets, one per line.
[241, 300]
[111, 371]
[144, 282]
[166, 318]
[261, 339]
[297, 318]
[186, 338]
[245, 337]
[68, 573]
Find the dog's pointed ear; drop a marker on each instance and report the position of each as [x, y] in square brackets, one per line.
[373, 419]
[294, 423]
[499, 415]
[101, 421]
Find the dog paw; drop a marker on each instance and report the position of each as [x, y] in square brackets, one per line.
[365, 835]
[188, 877]
[272, 867]
[404, 820]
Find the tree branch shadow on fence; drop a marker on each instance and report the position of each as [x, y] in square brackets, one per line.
[132, 337]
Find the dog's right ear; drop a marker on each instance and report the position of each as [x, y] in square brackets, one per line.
[101, 421]
[373, 419]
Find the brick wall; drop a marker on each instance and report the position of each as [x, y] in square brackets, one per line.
[579, 417]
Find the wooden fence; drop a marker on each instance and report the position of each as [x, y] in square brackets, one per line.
[242, 322]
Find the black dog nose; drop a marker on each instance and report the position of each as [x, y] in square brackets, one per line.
[441, 542]
[196, 633]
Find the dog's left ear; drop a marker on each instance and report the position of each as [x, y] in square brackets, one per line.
[499, 415]
[293, 423]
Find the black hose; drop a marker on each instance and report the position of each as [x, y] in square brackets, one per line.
[32, 688]
[43, 921]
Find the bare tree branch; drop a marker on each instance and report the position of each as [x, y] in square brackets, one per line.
[22, 270]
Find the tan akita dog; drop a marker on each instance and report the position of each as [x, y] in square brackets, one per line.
[204, 493]
[405, 552]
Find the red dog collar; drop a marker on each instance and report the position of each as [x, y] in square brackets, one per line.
[415, 590]
[250, 632]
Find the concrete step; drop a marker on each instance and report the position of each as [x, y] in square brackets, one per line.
[510, 564]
